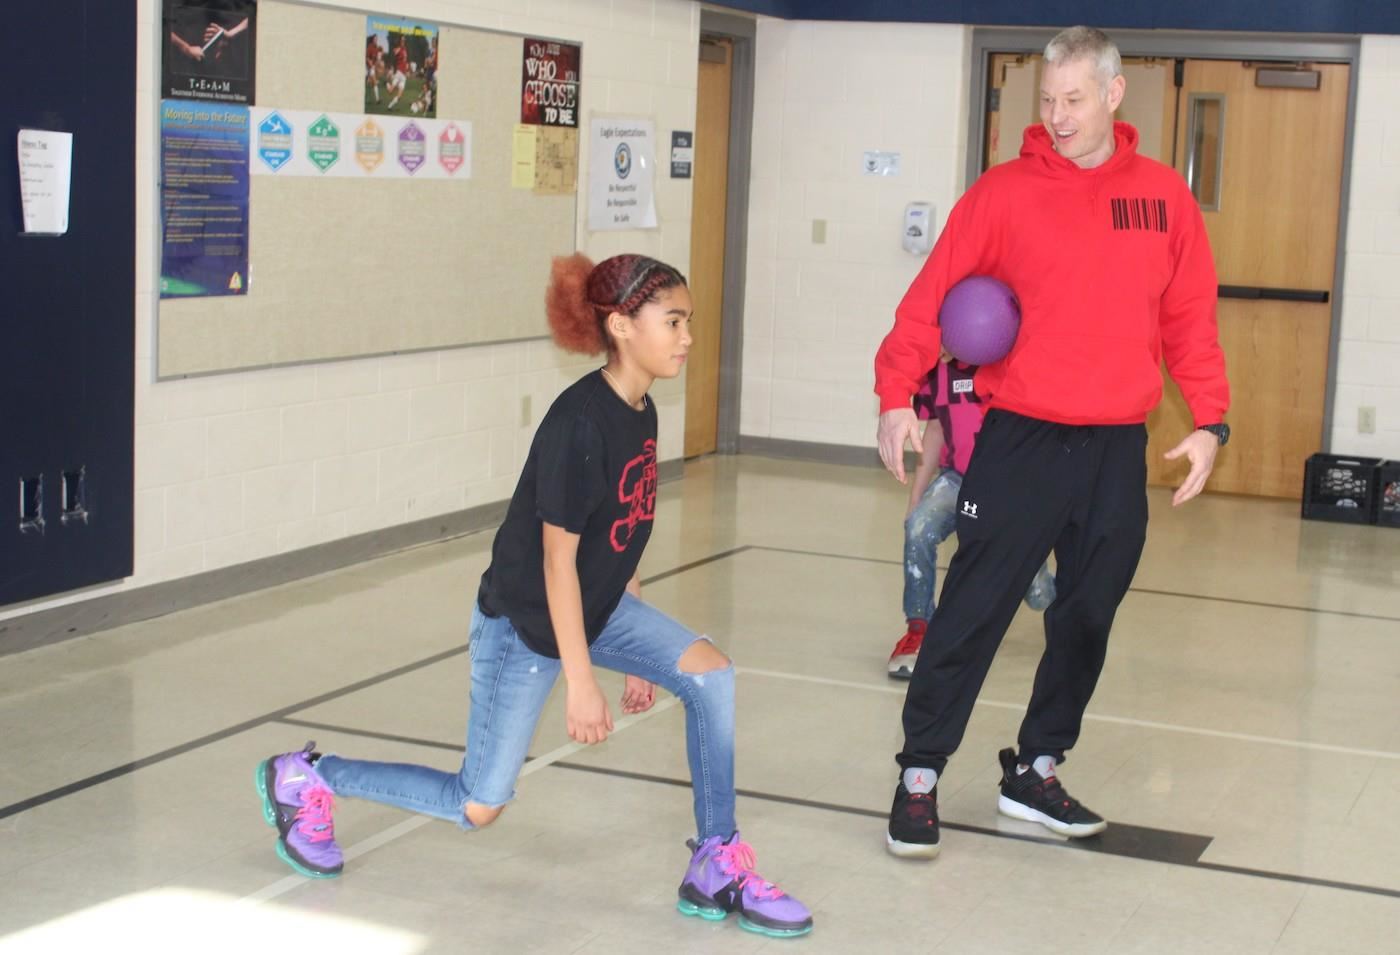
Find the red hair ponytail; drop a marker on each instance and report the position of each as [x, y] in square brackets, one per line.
[581, 296]
[572, 320]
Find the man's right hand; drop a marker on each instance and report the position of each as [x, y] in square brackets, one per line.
[897, 426]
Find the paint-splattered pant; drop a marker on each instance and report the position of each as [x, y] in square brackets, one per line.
[929, 525]
[510, 683]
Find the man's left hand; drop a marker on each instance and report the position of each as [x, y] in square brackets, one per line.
[1199, 447]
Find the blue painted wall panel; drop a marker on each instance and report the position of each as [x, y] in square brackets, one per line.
[1273, 16]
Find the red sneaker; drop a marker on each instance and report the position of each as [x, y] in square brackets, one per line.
[906, 651]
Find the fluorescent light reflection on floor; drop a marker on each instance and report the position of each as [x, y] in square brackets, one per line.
[185, 920]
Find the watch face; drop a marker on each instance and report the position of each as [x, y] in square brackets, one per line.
[1221, 431]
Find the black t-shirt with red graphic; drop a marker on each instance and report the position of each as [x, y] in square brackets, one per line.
[591, 471]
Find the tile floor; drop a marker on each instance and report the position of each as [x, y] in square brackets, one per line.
[1244, 741]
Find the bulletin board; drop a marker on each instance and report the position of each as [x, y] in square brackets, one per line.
[344, 267]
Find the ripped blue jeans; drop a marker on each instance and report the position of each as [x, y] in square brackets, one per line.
[510, 683]
[930, 524]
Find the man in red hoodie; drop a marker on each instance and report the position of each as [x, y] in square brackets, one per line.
[1108, 255]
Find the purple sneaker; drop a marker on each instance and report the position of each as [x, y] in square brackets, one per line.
[721, 880]
[297, 801]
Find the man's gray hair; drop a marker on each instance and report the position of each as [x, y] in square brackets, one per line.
[1086, 43]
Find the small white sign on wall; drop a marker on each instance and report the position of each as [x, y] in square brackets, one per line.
[45, 177]
[878, 163]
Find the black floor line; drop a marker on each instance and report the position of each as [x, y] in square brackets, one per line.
[1134, 842]
[284, 714]
[371, 734]
[1121, 839]
[1135, 590]
[696, 563]
[160, 757]
[824, 553]
[1265, 604]
[117, 772]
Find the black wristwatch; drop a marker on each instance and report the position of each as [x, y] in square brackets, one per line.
[1221, 432]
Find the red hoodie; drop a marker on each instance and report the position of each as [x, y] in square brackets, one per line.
[1113, 270]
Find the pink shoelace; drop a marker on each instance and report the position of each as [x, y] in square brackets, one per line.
[737, 859]
[315, 814]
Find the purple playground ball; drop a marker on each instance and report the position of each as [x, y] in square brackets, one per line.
[980, 318]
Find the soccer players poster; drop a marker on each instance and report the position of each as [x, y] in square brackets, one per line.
[401, 62]
[549, 83]
[209, 50]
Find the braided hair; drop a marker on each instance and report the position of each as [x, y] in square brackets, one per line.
[582, 295]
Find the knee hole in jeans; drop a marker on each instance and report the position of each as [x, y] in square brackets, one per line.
[702, 656]
[481, 816]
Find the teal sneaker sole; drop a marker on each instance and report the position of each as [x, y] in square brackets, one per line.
[260, 781]
[711, 914]
[270, 817]
[706, 913]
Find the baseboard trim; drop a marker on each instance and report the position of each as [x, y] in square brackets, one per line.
[816, 451]
[46, 627]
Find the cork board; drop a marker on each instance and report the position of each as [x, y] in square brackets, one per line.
[342, 267]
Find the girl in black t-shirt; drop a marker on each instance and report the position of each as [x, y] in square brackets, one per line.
[562, 593]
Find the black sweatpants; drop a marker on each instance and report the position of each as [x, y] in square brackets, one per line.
[1031, 486]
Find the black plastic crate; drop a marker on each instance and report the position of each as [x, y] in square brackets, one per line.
[1388, 494]
[1341, 488]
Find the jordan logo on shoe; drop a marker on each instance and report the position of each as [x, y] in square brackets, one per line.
[919, 779]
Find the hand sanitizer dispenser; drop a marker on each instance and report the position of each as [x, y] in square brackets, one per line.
[918, 228]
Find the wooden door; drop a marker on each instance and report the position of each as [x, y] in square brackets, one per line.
[1015, 78]
[1012, 104]
[710, 192]
[1273, 228]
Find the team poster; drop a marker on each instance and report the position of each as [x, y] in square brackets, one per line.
[209, 52]
[401, 64]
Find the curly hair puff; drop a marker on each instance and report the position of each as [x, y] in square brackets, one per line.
[582, 295]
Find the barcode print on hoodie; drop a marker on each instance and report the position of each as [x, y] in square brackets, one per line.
[1146, 214]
